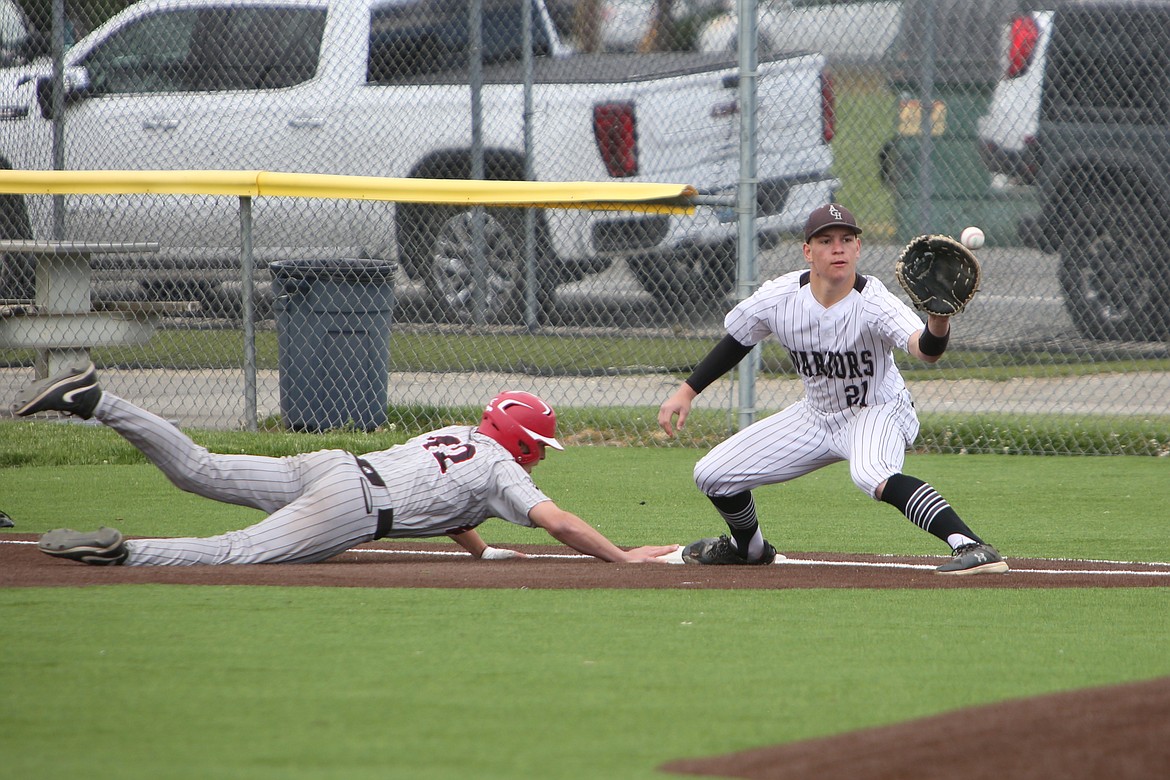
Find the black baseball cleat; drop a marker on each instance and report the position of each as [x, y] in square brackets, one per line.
[6, 521]
[74, 390]
[103, 547]
[974, 558]
[719, 551]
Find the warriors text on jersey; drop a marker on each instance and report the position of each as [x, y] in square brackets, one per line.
[844, 353]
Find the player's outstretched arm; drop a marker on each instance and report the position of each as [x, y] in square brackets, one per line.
[474, 544]
[928, 344]
[678, 405]
[571, 530]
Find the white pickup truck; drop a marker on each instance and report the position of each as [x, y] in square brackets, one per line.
[381, 88]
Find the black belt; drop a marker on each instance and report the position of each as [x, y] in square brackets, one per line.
[385, 516]
[370, 472]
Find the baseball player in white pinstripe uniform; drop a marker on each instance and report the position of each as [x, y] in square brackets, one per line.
[443, 483]
[840, 329]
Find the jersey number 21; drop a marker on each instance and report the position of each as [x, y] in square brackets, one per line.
[855, 395]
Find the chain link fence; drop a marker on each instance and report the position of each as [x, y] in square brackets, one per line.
[938, 115]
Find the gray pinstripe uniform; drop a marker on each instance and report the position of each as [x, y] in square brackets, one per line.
[322, 503]
[856, 406]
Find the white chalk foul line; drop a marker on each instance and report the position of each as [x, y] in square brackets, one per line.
[930, 567]
[460, 553]
[781, 560]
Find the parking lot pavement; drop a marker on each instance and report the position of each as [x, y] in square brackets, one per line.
[214, 399]
[1019, 307]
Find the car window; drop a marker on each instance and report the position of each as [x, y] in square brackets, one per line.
[260, 48]
[209, 50]
[147, 55]
[415, 37]
[14, 37]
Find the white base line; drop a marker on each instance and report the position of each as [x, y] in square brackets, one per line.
[925, 567]
[809, 562]
[782, 561]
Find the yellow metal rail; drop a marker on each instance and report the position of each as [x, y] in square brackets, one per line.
[617, 196]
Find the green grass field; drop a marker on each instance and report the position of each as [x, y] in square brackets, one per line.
[195, 682]
[267, 682]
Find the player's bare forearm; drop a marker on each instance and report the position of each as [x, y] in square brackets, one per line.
[474, 544]
[570, 530]
[678, 405]
[470, 541]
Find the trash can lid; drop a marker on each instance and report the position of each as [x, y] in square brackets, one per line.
[358, 270]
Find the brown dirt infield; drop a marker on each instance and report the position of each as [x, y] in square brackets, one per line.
[422, 565]
[1118, 732]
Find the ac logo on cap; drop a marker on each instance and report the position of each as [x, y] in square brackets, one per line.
[827, 216]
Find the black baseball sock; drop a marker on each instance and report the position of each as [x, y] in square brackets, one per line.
[926, 508]
[739, 512]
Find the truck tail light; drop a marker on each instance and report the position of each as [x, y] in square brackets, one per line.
[1024, 36]
[616, 131]
[828, 107]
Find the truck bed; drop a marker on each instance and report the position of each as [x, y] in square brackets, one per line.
[610, 68]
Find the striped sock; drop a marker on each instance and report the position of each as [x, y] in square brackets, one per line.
[924, 507]
[739, 512]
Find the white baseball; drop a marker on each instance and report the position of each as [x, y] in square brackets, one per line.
[972, 237]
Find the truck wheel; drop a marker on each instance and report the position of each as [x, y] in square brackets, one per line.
[226, 301]
[220, 302]
[411, 236]
[451, 278]
[18, 271]
[1108, 271]
[694, 279]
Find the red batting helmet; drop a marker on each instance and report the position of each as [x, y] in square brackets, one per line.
[514, 418]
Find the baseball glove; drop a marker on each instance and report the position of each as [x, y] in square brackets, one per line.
[939, 274]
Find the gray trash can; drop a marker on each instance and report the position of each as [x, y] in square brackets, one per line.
[333, 321]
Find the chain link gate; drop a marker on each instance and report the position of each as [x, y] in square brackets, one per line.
[937, 123]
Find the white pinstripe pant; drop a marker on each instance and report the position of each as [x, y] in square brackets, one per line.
[798, 440]
[319, 502]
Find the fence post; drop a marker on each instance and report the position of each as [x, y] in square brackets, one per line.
[531, 315]
[247, 264]
[57, 51]
[746, 205]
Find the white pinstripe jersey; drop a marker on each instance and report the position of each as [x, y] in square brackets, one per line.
[453, 479]
[844, 354]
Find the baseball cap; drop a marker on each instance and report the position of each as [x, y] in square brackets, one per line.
[827, 216]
